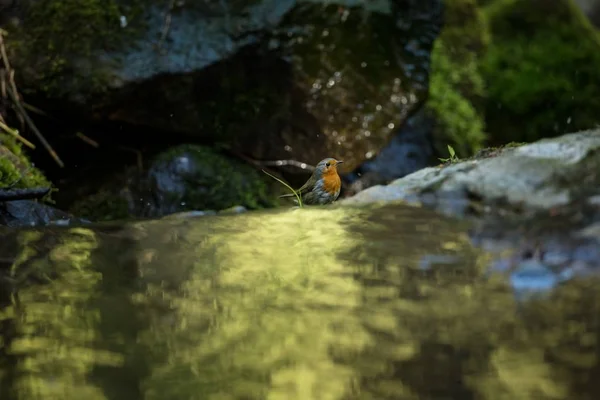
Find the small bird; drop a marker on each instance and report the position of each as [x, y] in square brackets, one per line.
[323, 187]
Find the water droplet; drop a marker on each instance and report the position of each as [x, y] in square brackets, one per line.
[325, 33]
[367, 133]
[391, 125]
[378, 107]
[303, 166]
[369, 154]
[123, 21]
[345, 15]
[363, 64]
[330, 83]
[569, 120]
[287, 148]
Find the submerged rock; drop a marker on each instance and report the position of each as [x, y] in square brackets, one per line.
[28, 213]
[272, 79]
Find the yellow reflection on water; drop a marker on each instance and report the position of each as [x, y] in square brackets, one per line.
[54, 329]
[317, 303]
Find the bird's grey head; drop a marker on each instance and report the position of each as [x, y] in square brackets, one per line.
[327, 164]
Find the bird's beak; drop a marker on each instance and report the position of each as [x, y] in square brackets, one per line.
[339, 162]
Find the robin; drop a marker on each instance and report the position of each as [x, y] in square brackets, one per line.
[323, 187]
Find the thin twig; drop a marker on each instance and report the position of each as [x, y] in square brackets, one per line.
[35, 130]
[38, 111]
[14, 133]
[276, 163]
[14, 95]
[87, 140]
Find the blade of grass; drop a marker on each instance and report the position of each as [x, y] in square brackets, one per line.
[287, 186]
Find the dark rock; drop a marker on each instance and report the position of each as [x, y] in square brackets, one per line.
[453, 112]
[184, 178]
[23, 213]
[409, 151]
[271, 79]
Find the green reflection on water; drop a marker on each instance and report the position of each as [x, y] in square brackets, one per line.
[314, 303]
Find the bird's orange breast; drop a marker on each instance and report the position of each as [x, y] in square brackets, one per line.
[332, 182]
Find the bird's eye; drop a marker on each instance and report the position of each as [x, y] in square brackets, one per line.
[328, 164]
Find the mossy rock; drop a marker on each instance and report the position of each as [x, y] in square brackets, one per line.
[202, 179]
[16, 170]
[184, 178]
[456, 88]
[542, 70]
[58, 48]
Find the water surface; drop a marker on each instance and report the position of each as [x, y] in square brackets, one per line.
[329, 303]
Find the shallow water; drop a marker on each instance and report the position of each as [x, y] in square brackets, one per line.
[325, 303]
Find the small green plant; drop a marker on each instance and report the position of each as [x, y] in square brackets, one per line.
[453, 158]
[298, 197]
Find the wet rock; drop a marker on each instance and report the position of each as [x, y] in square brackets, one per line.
[271, 79]
[410, 150]
[23, 213]
[184, 178]
[192, 214]
[234, 210]
[540, 176]
[453, 112]
[17, 176]
[532, 277]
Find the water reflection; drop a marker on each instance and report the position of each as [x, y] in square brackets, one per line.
[333, 303]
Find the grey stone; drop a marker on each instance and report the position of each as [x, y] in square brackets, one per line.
[541, 175]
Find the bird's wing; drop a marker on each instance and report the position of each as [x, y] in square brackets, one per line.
[310, 183]
[305, 188]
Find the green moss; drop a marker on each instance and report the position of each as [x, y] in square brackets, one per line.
[16, 170]
[542, 70]
[212, 182]
[456, 87]
[102, 206]
[216, 182]
[57, 37]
